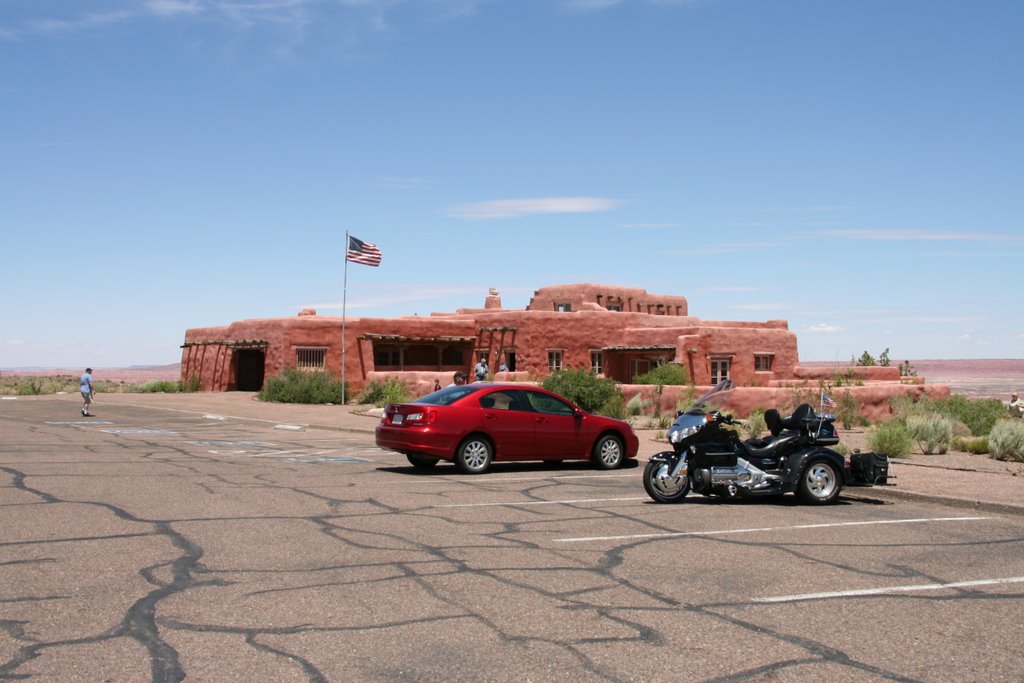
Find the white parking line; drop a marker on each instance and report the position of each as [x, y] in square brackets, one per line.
[890, 589]
[488, 479]
[541, 502]
[723, 532]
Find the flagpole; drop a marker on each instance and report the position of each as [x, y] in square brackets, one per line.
[344, 303]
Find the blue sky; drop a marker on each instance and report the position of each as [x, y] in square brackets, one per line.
[852, 166]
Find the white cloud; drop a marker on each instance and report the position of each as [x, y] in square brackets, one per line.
[919, 235]
[168, 8]
[514, 208]
[759, 307]
[724, 249]
[824, 328]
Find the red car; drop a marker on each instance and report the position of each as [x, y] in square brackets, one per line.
[476, 424]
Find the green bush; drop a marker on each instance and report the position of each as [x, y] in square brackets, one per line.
[977, 445]
[847, 411]
[391, 390]
[637, 405]
[193, 384]
[666, 374]
[1006, 440]
[933, 433]
[891, 437]
[299, 386]
[755, 424]
[614, 407]
[978, 414]
[582, 387]
[154, 386]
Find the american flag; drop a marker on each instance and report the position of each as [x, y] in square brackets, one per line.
[827, 402]
[362, 252]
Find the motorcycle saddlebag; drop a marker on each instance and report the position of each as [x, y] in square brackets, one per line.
[869, 468]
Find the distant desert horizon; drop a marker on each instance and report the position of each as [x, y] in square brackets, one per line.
[974, 378]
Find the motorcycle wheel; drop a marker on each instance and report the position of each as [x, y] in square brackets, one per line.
[421, 462]
[474, 455]
[662, 488]
[819, 483]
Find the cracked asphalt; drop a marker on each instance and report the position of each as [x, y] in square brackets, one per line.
[206, 538]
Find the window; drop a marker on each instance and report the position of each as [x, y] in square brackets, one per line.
[763, 362]
[614, 307]
[719, 369]
[387, 356]
[452, 355]
[597, 362]
[555, 360]
[549, 405]
[563, 307]
[311, 357]
[640, 366]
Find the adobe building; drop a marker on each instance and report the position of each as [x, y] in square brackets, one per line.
[616, 332]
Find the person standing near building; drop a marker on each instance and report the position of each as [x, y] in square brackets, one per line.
[1016, 407]
[85, 386]
[481, 370]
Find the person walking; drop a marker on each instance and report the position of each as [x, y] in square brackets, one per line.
[85, 386]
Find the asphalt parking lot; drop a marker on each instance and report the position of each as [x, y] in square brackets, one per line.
[151, 544]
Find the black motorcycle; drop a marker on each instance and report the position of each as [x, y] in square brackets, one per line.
[711, 459]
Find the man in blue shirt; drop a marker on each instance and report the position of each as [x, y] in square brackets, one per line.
[85, 386]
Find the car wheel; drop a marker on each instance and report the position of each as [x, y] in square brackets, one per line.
[819, 484]
[474, 455]
[421, 462]
[609, 452]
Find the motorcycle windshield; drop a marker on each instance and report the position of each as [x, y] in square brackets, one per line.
[694, 417]
[714, 399]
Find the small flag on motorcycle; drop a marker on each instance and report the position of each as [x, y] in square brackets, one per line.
[827, 402]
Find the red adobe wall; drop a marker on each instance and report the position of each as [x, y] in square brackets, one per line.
[667, 333]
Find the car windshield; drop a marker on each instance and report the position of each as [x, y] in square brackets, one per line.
[448, 395]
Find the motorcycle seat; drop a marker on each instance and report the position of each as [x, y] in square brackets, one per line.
[766, 449]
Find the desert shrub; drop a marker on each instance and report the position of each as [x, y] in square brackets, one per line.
[666, 374]
[298, 386]
[931, 432]
[842, 449]
[664, 421]
[847, 410]
[614, 407]
[650, 423]
[154, 386]
[978, 414]
[582, 387]
[380, 393]
[637, 405]
[687, 398]
[1006, 440]
[755, 424]
[193, 384]
[976, 445]
[890, 437]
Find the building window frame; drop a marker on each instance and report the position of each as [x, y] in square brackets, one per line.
[311, 358]
[597, 362]
[763, 362]
[563, 307]
[721, 367]
[556, 359]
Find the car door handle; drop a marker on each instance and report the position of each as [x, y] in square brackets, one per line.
[490, 416]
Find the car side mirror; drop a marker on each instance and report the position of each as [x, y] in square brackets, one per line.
[577, 412]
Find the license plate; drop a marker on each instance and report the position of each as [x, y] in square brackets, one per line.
[397, 419]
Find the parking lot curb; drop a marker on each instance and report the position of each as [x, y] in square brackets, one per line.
[888, 494]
